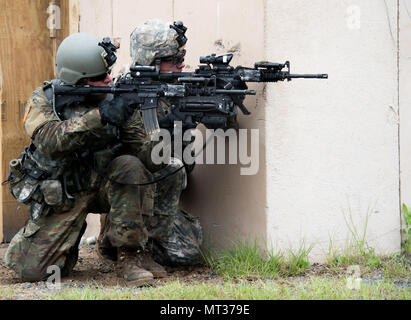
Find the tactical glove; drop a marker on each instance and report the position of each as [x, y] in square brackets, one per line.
[116, 111]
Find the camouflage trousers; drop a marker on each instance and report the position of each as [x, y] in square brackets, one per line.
[139, 217]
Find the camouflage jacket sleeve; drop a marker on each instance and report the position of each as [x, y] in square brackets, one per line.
[52, 136]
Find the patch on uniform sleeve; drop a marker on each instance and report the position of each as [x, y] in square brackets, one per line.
[38, 112]
[28, 107]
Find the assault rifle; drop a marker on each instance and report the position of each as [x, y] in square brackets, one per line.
[209, 95]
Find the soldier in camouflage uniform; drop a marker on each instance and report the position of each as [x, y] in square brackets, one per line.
[92, 160]
[160, 43]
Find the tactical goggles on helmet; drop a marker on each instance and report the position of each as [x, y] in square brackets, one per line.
[179, 27]
[177, 58]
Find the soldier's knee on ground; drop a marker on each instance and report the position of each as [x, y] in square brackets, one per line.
[36, 259]
[33, 273]
[28, 268]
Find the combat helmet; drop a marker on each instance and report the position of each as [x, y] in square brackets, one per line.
[156, 38]
[83, 55]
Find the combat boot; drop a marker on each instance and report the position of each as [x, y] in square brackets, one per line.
[129, 268]
[147, 262]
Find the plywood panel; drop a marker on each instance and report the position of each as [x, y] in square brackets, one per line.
[26, 60]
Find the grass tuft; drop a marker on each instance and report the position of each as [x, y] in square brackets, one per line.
[6, 293]
[244, 260]
[248, 261]
[298, 261]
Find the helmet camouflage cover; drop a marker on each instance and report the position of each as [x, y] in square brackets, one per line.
[153, 39]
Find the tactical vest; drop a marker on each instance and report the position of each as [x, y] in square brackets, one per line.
[42, 183]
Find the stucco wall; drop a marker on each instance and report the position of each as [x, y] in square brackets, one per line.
[334, 144]
[328, 148]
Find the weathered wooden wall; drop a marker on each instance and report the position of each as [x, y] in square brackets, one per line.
[27, 53]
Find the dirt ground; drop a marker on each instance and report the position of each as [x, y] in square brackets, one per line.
[90, 270]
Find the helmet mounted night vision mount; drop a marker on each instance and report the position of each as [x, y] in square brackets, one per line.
[109, 55]
[179, 27]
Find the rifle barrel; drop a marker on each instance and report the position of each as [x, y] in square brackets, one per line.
[235, 91]
[74, 90]
[312, 76]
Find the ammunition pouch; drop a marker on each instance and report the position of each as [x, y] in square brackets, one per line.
[27, 190]
[52, 192]
[24, 178]
[35, 186]
[42, 183]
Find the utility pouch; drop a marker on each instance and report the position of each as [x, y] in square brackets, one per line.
[52, 191]
[25, 178]
[36, 211]
[24, 190]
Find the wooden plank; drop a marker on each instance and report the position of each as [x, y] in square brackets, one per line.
[27, 59]
[74, 16]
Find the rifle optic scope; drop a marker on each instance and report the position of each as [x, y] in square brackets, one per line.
[224, 59]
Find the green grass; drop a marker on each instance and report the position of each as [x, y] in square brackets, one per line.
[6, 293]
[244, 260]
[390, 266]
[318, 288]
[297, 262]
[406, 244]
[395, 267]
[248, 261]
[358, 252]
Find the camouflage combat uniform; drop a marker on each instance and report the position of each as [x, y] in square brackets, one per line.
[137, 216]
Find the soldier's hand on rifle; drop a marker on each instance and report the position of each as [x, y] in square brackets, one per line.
[116, 111]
